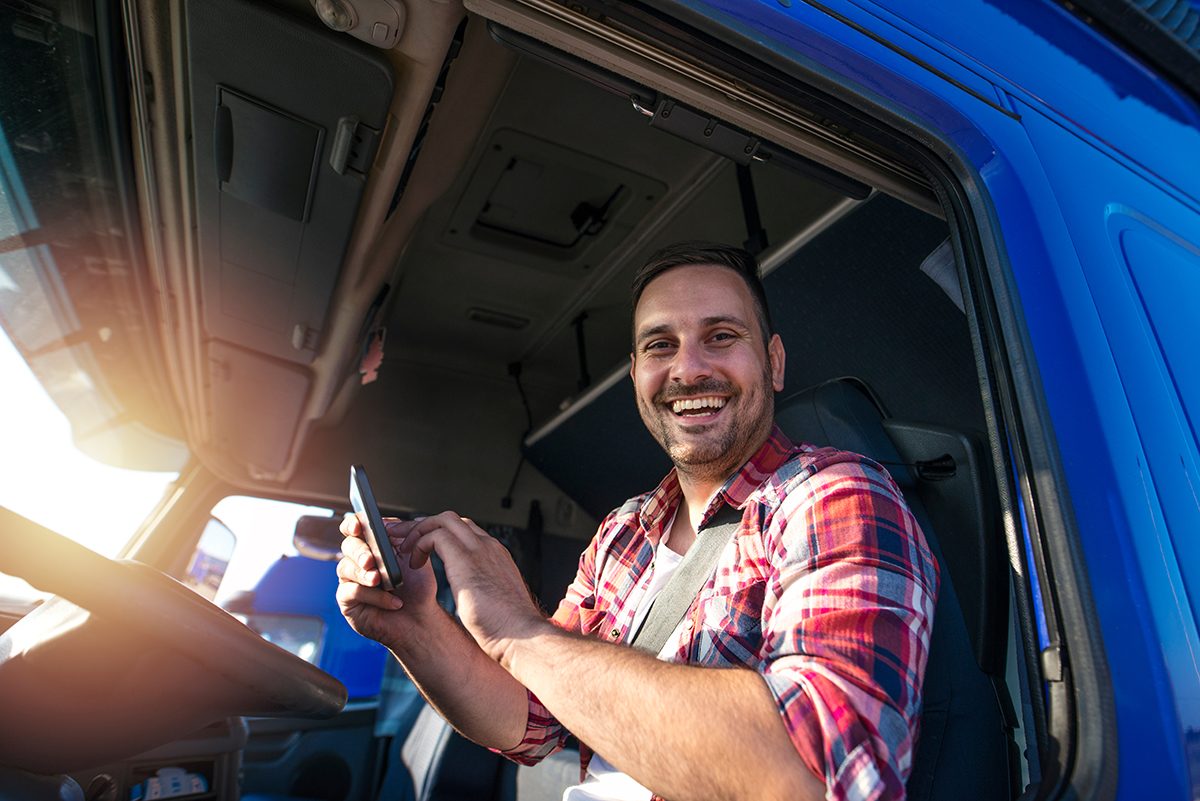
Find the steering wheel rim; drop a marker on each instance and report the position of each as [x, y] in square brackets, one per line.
[255, 677]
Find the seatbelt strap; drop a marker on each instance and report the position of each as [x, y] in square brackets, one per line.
[684, 585]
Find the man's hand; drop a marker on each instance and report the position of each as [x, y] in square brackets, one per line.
[371, 610]
[492, 599]
[466, 686]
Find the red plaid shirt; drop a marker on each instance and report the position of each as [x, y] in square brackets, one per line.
[827, 590]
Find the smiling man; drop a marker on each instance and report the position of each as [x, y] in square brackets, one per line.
[796, 670]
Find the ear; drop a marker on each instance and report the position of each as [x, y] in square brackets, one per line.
[633, 368]
[778, 358]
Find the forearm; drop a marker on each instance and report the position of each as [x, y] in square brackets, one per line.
[715, 733]
[477, 696]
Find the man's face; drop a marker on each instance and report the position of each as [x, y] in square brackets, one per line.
[703, 377]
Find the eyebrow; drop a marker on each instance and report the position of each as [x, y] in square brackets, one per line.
[707, 322]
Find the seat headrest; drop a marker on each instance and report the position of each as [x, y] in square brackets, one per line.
[842, 413]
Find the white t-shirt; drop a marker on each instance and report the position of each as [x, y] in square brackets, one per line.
[604, 782]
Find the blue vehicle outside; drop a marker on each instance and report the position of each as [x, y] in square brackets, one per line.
[1081, 170]
[299, 588]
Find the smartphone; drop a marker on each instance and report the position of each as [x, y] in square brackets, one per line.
[374, 532]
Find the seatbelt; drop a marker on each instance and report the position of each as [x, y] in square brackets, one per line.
[681, 589]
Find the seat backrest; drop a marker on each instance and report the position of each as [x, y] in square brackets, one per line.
[964, 745]
[430, 761]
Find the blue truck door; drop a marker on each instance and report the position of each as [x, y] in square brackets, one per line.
[1132, 304]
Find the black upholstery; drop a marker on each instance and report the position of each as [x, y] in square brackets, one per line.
[432, 762]
[964, 745]
[426, 759]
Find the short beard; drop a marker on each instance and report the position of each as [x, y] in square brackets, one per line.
[737, 442]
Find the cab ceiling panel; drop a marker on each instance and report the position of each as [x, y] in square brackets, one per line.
[286, 121]
[548, 204]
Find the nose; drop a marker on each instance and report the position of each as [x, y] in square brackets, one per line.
[691, 363]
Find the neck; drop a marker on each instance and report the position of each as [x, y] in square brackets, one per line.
[699, 482]
[697, 491]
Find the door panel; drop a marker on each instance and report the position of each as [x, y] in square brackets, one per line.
[330, 760]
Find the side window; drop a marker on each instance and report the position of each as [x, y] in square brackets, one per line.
[285, 592]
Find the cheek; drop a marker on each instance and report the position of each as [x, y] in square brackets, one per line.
[643, 395]
[647, 381]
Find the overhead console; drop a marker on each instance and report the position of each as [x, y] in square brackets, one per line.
[287, 119]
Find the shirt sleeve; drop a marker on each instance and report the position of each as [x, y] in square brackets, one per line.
[846, 625]
[543, 733]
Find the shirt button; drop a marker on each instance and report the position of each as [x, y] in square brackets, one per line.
[614, 633]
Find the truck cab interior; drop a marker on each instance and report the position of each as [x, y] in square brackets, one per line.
[253, 250]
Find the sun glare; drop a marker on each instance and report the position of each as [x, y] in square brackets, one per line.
[45, 478]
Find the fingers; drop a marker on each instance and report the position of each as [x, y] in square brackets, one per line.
[357, 551]
[417, 538]
[446, 533]
[351, 594]
[350, 526]
[397, 530]
[349, 570]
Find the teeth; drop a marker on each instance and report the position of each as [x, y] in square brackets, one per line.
[696, 403]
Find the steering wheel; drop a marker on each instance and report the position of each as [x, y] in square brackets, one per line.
[125, 658]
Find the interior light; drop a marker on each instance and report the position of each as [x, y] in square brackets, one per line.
[376, 22]
[336, 14]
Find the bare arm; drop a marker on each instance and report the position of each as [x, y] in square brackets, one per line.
[718, 736]
[685, 732]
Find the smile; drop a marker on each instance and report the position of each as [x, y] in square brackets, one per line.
[697, 406]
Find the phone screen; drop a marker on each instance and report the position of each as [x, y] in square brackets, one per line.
[374, 532]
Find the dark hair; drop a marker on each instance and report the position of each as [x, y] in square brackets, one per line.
[687, 254]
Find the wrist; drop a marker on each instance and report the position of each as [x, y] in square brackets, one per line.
[422, 628]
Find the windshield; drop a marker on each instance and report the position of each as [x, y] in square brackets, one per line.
[46, 478]
[88, 431]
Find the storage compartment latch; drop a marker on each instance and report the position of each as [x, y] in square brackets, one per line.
[354, 146]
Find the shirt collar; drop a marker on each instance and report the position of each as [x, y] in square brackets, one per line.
[736, 490]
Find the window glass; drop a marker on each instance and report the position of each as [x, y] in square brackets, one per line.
[264, 529]
[46, 478]
[88, 447]
[286, 596]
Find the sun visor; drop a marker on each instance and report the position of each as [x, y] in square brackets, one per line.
[282, 141]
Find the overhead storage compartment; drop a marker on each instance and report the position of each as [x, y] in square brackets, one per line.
[287, 119]
[281, 144]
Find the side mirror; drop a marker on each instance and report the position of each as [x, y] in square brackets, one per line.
[211, 559]
[318, 537]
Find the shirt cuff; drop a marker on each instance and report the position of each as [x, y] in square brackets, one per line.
[543, 735]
